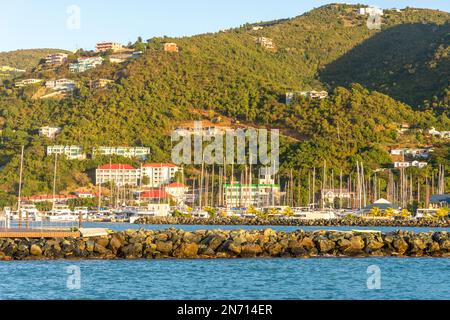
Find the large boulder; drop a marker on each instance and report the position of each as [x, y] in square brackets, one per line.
[164, 247]
[35, 250]
[400, 245]
[250, 250]
[187, 250]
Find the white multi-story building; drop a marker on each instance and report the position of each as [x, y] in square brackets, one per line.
[308, 94]
[412, 152]
[158, 174]
[128, 152]
[27, 82]
[108, 46]
[407, 164]
[371, 11]
[265, 42]
[85, 63]
[442, 134]
[71, 152]
[119, 174]
[49, 132]
[56, 59]
[60, 85]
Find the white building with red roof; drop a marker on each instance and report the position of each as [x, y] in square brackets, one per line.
[118, 173]
[178, 191]
[156, 175]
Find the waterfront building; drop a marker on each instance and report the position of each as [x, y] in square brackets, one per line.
[56, 59]
[170, 47]
[85, 63]
[49, 132]
[156, 175]
[381, 204]
[71, 152]
[151, 195]
[48, 198]
[108, 46]
[177, 191]
[27, 82]
[246, 195]
[65, 85]
[329, 196]
[119, 174]
[128, 152]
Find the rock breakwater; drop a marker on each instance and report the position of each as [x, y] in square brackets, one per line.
[206, 244]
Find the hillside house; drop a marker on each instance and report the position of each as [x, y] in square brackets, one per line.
[170, 47]
[49, 132]
[266, 43]
[56, 59]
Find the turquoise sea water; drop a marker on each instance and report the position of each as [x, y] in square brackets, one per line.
[318, 278]
[322, 278]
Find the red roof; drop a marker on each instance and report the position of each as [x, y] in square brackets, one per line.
[158, 165]
[116, 166]
[48, 197]
[154, 194]
[176, 185]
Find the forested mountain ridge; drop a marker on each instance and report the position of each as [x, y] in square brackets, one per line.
[229, 73]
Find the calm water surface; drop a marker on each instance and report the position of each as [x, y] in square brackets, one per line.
[322, 278]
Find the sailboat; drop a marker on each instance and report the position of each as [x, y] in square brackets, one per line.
[59, 212]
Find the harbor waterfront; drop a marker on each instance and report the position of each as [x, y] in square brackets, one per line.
[207, 244]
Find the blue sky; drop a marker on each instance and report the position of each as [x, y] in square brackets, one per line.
[54, 23]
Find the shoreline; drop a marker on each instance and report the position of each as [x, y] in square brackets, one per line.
[228, 244]
[344, 222]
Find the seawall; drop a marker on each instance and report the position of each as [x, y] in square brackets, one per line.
[206, 244]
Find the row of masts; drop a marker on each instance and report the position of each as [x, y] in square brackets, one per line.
[360, 187]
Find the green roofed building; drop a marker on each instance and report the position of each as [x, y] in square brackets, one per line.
[246, 195]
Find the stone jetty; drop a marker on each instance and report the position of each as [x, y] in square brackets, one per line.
[206, 244]
[280, 221]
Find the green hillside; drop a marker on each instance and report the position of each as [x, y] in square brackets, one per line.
[228, 73]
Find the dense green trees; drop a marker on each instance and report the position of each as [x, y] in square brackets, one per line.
[227, 73]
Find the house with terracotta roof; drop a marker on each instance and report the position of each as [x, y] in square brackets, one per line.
[118, 173]
[155, 175]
